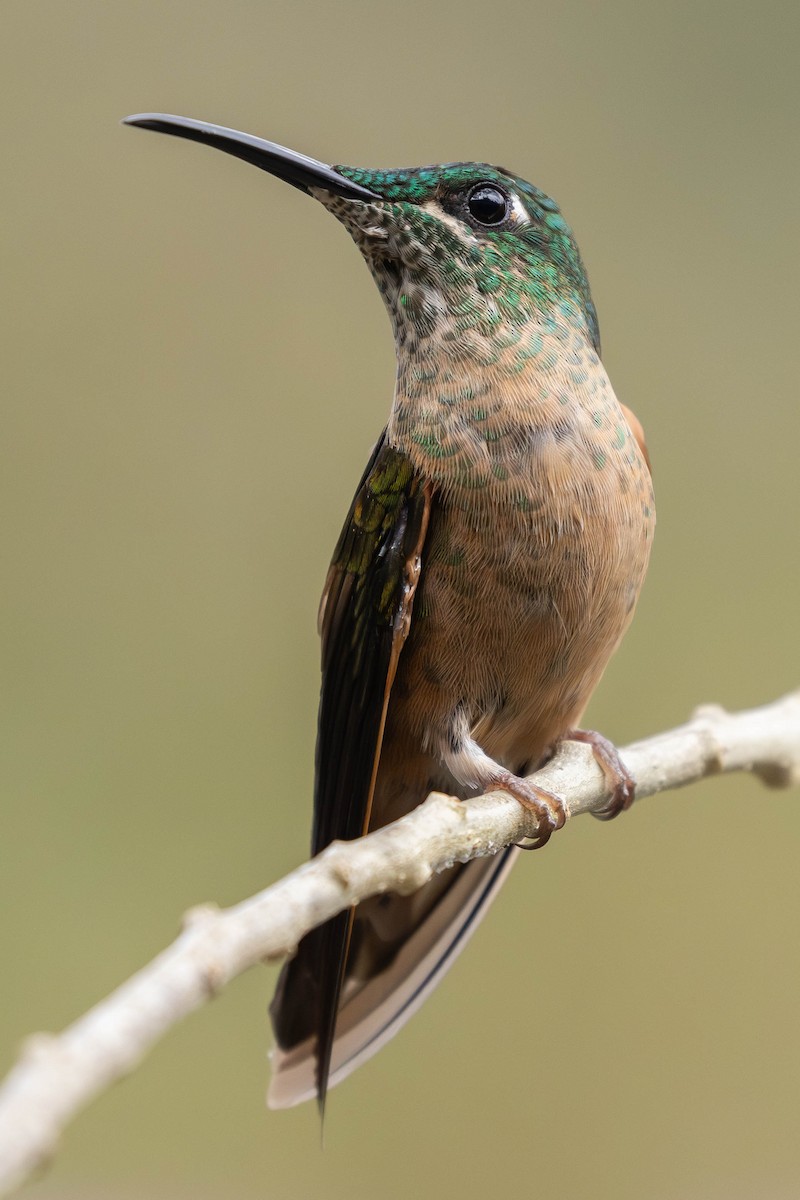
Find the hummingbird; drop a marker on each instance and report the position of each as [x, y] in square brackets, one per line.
[488, 568]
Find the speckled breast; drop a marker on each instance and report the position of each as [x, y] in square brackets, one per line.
[530, 576]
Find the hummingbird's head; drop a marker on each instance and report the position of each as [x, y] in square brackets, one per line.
[466, 255]
[466, 245]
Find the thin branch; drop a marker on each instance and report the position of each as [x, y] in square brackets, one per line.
[58, 1075]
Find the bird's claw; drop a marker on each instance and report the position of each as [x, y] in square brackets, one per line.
[546, 807]
[621, 783]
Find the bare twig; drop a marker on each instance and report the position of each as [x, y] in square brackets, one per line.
[57, 1075]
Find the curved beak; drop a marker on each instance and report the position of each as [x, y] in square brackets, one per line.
[299, 170]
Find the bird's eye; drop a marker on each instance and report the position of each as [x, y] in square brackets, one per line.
[488, 205]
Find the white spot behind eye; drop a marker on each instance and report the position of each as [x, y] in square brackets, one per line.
[518, 209]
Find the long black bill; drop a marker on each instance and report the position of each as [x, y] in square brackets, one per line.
[299, 170]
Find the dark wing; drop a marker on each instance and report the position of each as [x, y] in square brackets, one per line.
[364, 620]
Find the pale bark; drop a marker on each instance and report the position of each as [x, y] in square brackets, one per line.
[57, 1075]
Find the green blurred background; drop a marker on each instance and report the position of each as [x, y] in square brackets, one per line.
[195, 364]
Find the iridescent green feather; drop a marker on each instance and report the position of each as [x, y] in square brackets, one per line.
[545, 247]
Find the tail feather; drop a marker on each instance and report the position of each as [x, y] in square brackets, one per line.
[375, 1004]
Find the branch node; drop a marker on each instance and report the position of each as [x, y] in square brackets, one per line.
[778, 774]
[214, 978]
[412, 879]
[337, 865]
[710, 712]
[708, 719]
[445, 802]
[200, 916]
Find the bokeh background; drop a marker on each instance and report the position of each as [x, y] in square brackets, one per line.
[195, 364]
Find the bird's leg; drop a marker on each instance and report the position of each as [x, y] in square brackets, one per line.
[619, 779]
[470, 765]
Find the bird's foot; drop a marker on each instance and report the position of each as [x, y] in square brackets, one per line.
[546, 806]
[621, 783]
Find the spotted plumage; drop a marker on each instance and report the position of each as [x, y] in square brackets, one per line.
[488, 568]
